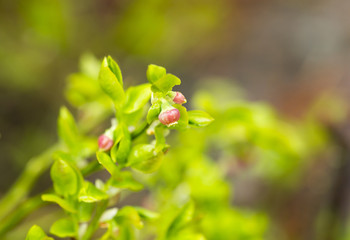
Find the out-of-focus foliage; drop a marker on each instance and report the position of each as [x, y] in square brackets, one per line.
[285, 52]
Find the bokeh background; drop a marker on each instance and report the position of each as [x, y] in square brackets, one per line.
[287, 53]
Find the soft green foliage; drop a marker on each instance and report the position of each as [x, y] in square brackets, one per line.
[188, 194]
[89, 206]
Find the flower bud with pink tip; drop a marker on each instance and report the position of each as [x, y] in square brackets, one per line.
[104, 142]
[178, 97]
[169, 117]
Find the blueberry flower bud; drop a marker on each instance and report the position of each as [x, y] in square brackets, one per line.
[179, 98]
[169, 117]
[105, 143]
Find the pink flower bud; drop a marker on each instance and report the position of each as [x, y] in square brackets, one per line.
[105, 143]
[179, 98]
[169, 117]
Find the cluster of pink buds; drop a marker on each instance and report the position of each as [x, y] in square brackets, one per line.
[170, 115]
[104, 142]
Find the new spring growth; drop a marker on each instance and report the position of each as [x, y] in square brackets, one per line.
[170, 115]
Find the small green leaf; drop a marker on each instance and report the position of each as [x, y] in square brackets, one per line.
[137, 97]
[125, 180]
[89, 193]
[154, 111]
[107, 163]
[144, 158]
[146, 214]
[129, 215]
[67, 129]
[85, 211]
[182, 123]
[197, 118]
[65, 179]
[166, 83]
[155, 72]
[159, 132]
[124, 147]
[82, 89]
[114, 67]
[118, 135]
[64, 227]
[111, 82]
[36, 233]
[60, 201]
[182, 220]
[134, 118]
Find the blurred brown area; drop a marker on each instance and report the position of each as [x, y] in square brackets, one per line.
[287, 53]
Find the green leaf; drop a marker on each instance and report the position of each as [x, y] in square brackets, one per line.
[144, 158]
[126, 232]
[64, 227]
[82, 89]
[159, 132]
[65, 179]
[197, 118]
[85, 211]
[67, 129]
[137, 97]
[60, 201]
[89, 193]
[107, 163]
[182, 220]
[154, 111]
[146, 214]
[125, 180]
[111, 82]
[129, 215]
[155, 72]
[166, 83]
[113, 66]
[124, 147]
[134, 118]
[182, 123]
[36, 233]
[118, 135]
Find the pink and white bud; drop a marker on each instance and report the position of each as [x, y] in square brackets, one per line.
[179, 98]
[169, 117]
[105, 143]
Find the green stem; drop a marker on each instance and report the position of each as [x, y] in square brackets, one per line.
[21, 212]
[93, 226]
[34, 169]
[19, 191]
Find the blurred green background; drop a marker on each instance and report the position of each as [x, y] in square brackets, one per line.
[290, 54]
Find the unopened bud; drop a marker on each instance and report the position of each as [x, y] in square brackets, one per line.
[169, 117]
[105, 143]
[179, 98]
